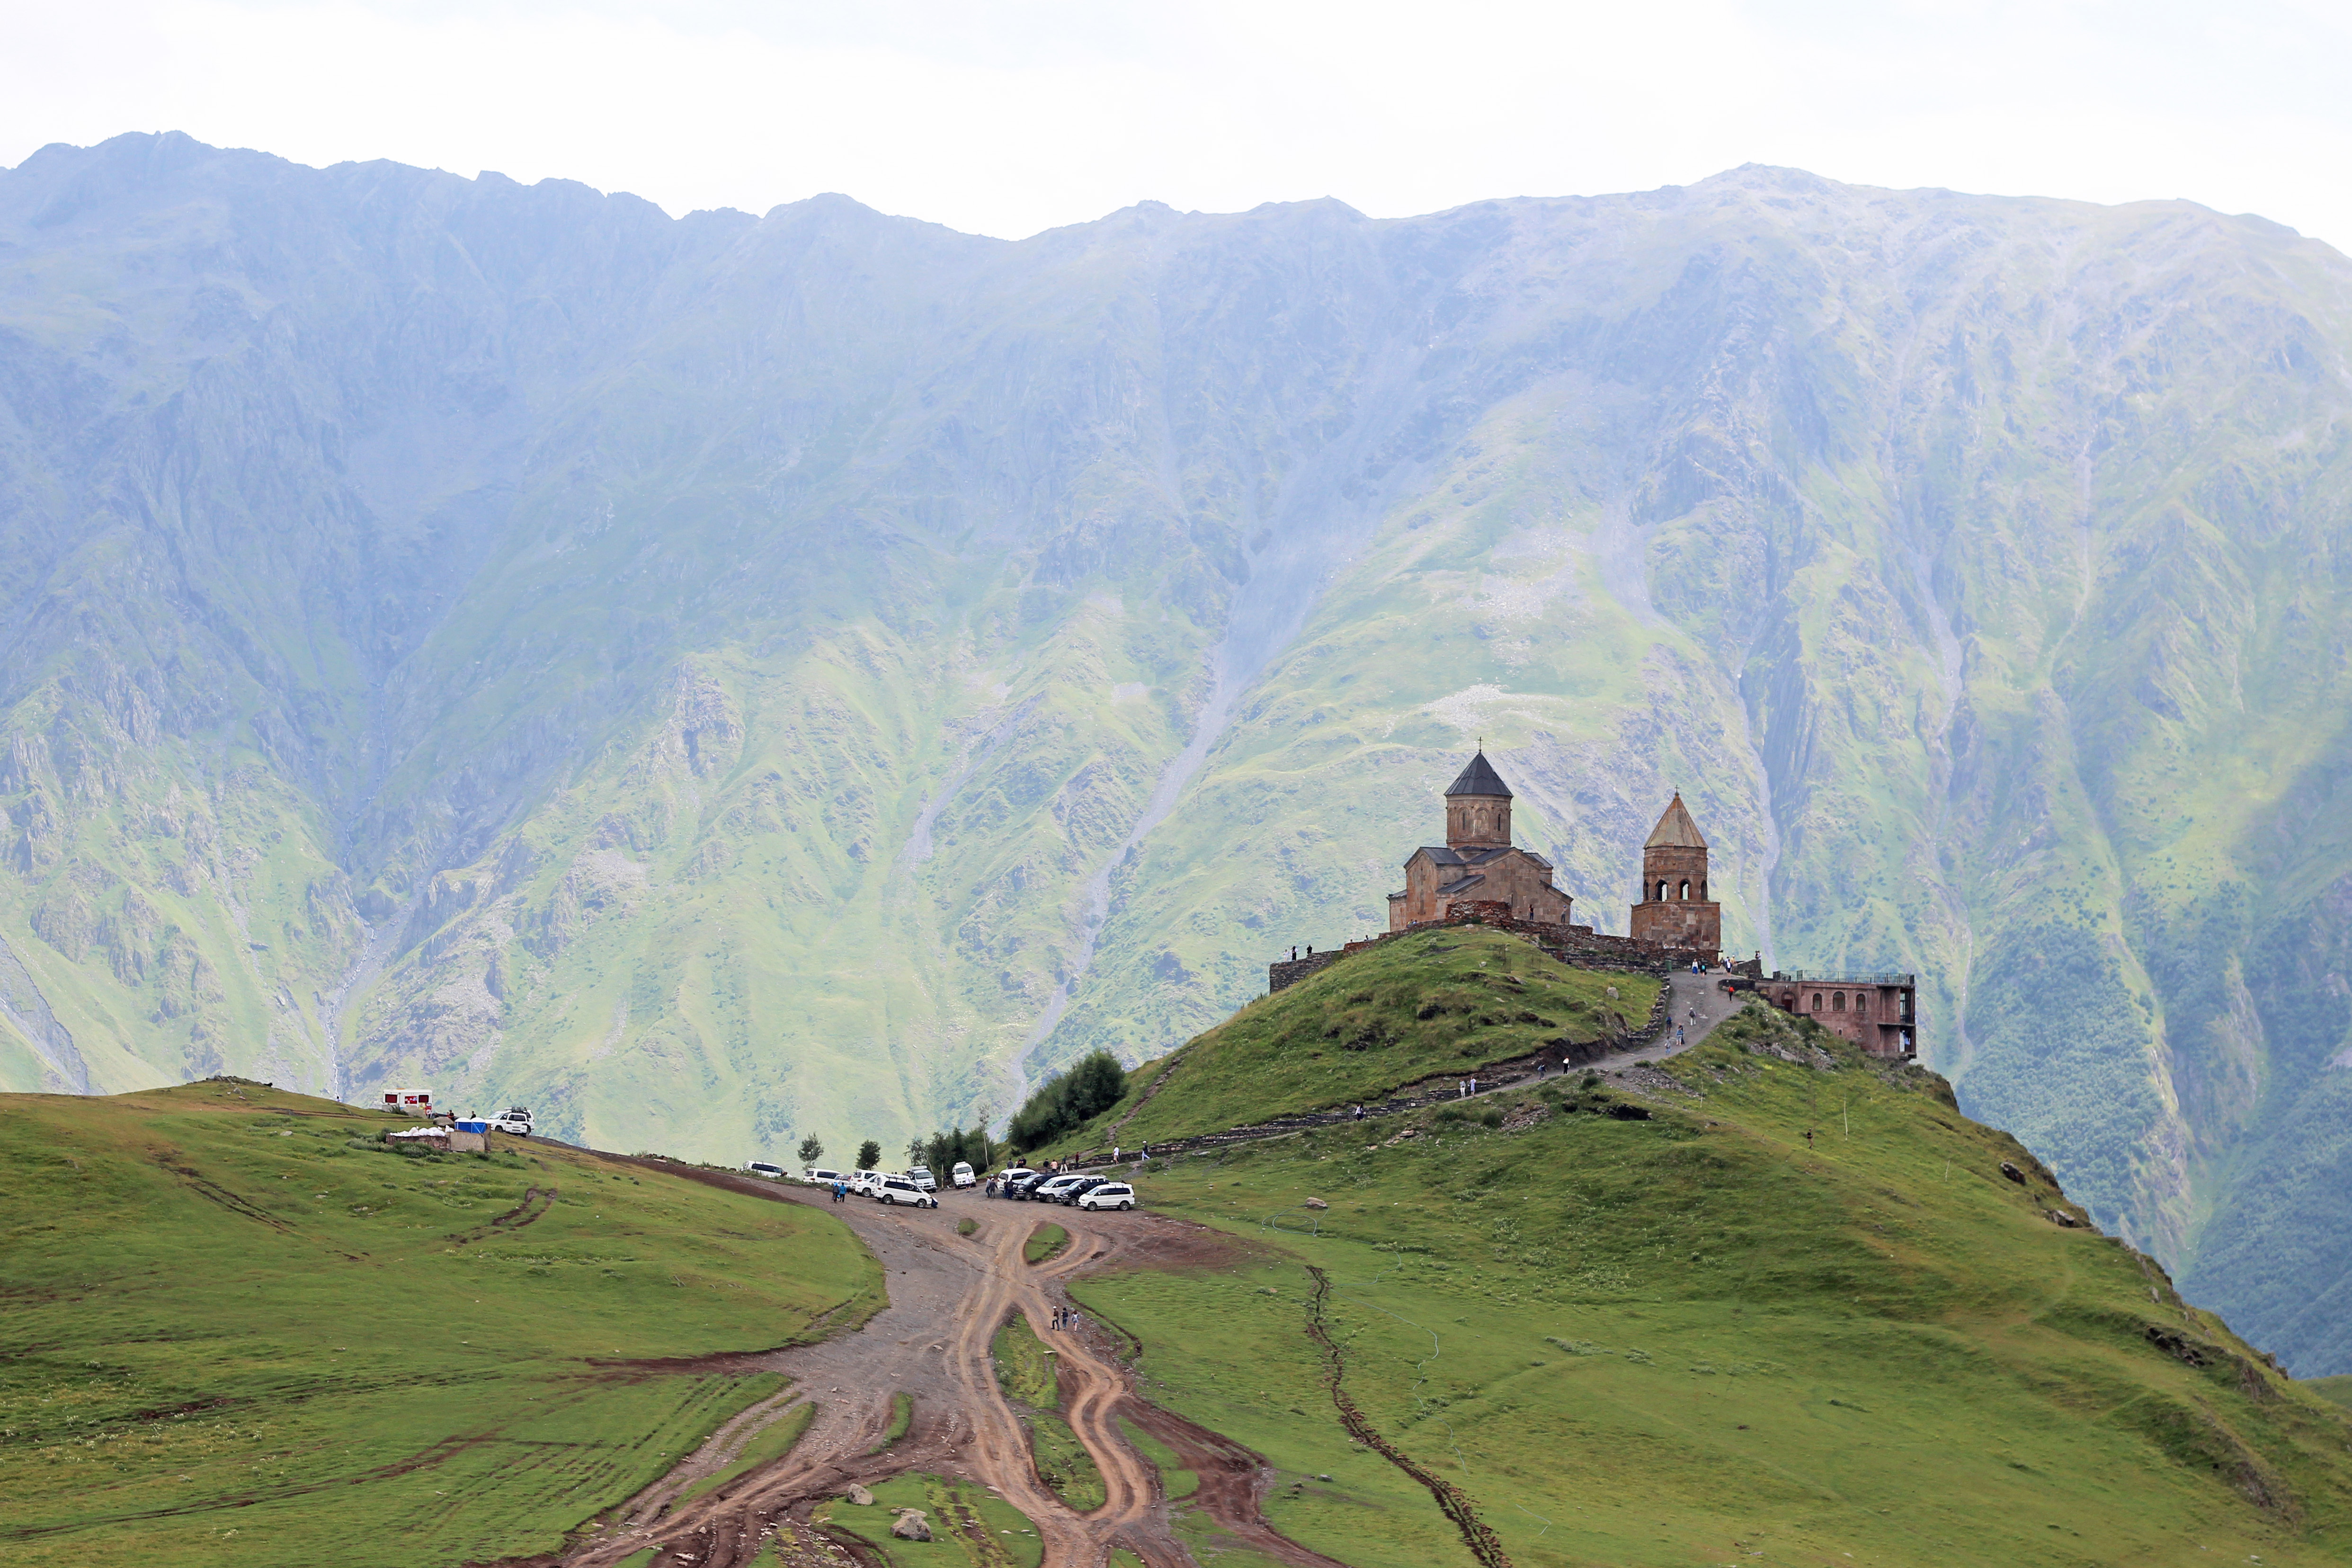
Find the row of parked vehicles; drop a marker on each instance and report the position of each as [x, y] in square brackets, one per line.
[1022, 1184]
[919, 1188]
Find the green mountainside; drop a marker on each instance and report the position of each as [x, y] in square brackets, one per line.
[1436, 1004]
[1696, 1337]
[240, 1327]
[728, 679]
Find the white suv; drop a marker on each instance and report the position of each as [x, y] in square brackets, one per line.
[903, 1190]
[1051, 1190]
[1109, 1195]
[921, 1176]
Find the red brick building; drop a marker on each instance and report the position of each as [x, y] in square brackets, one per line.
[1880, 1013]
[1674, 910]
[1476, 864]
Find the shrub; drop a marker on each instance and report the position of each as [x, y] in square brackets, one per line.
[1068, 1101]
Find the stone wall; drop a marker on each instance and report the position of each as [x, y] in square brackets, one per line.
[1283, 973]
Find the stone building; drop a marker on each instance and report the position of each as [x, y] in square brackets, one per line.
[1476, 864]
[1674, 911]
[1880, 1013]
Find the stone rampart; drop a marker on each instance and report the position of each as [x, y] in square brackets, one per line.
[1579, 946]
[1283, 973]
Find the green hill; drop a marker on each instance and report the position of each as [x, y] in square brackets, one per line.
[1434, 1004]
[239, 1328]
[1696, 1338]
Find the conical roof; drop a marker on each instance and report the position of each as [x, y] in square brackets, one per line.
[1675, 830]
[1480, 778]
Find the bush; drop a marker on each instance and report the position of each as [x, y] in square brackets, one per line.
[1068, 1101]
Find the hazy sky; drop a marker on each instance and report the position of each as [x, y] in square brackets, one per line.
[1008, 118]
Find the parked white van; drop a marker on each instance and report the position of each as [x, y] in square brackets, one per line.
[961, 1175]
[818, 1176]
[761, 1168]
[903, 1190]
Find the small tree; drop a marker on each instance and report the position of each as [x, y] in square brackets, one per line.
[811, 1150]
[869, 1154]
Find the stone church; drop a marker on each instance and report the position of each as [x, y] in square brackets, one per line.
[1477, 868]
[1478, 863]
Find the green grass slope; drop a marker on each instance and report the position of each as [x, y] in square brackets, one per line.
[1436, 1002]
[1697, 1338]
[238, 1331]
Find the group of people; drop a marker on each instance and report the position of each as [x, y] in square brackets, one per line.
[1066, 1318]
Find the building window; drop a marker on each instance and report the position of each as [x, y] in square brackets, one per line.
[1686, 892]
[1817, 1001]
[1702, 890]
[1837, 1003]
[1861, 1002]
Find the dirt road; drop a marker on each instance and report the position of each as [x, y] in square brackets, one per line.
[949, 1296]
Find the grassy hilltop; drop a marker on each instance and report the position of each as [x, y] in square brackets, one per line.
[1697, 1339]
[239, 1330]
[1433, 1004]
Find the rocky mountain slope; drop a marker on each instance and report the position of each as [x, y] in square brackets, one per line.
[725, 678]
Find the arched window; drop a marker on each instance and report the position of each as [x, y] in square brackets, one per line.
[1686, 892]
[1837, 1002]
[1702, 890]
[1861, 1001]
[1817, 1001]
[1662, 892]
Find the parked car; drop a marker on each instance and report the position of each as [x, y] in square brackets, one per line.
[1005, 1182]
[961, 1175]
[897, 1190]
[761, 1168]
[1108, 1196]
[818, 1176]
[1024, 1183]
[869, 1182]
[921, 1176]
[1050, 1191]
[1079, 1186]
[514, 1121]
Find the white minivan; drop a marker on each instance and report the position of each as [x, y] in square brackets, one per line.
[761, 1168]
[921, 1176]
[961, 1175]
[1109, 1195]
[818, 1176]
[902, 1190]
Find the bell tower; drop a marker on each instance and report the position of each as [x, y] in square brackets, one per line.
[1478, 808]
[1674, 910]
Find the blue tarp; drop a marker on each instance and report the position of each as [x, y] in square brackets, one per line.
[473, 1127]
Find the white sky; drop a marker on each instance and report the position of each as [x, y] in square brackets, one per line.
[1007, 118]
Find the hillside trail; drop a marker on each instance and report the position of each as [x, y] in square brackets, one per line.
[1696, 1006]
[948, 1295]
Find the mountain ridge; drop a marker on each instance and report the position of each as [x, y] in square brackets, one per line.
[503, 636]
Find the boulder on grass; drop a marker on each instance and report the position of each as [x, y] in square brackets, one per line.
[910, 1525]
[860, 1495]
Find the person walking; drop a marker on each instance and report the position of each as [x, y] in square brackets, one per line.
[1360, 1114]
[1474, 1086]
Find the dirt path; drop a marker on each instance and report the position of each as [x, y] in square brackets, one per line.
[1695, 1004]
[949, 1296]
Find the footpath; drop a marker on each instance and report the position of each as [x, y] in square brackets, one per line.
[1695, 1004]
